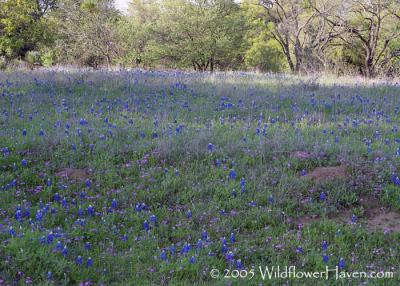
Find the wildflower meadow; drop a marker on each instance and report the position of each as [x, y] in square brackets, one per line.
[185, 178]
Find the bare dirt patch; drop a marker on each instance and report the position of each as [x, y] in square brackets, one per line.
[78, 175]
[302, 155]
[375, 217]
[323, 174]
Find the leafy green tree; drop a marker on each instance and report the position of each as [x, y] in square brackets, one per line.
[24, 26]
[87, 32]
[372, 31]
[200, 34]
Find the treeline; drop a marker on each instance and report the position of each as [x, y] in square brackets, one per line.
[339, 36]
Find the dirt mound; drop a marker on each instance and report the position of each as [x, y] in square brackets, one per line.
[301, 155]
[79, 175]
[383, 219]
[321, 174]
[375, 218]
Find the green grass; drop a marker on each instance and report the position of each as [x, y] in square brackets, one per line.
[146, 142]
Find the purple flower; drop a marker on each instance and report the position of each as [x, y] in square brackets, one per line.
[153, 219]
[204, 235]
[341, 263]
[163, 255]
[324, 245]
[146, 225]
[239, 264]
[90, 210]
[322, 196]
[24, 163]
[78, 260]
[89, 262]
[232, 237]
[232, 174]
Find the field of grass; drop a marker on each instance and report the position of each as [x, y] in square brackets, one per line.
[157, 178]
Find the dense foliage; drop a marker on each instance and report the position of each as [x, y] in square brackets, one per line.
[340, 36]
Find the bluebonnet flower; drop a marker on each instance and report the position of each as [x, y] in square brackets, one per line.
[185, 249]
[12, 232]
[88, 183]
[90, 210]
[50, 237]
[24, 163]
[224, 248]
[341, 264]
[39, 216]
[114, 204]
[146, 226]
[163, 255]
[64, 251]
[87, 245]
[199, 244]
[210, 147]
[204, 235]
[192, 260]
[24, 132]
[79, 260]
[299, 249]
[18, 215]
[59, 245]
[271, 199]
[232, 237]
[303, 172]
[232, 174]
[189, 214]
[322, 196]
[324, 245]
[230, 257]
[172, 249]
[234, 194]
[325, 258]
[89, 262]
[239, 264]
[153, 219]
[353, 219]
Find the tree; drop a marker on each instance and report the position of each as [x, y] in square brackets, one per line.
[87, 32]
[372, 32]
[24, 25]
[300, 31]
[202, 34]
[135, 33]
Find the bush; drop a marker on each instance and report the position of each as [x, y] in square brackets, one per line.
[33, 59]
[265, 56]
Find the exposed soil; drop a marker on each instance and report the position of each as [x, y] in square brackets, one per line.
[301, 155]
[322, 174]
[78, 175]
[375, 217]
